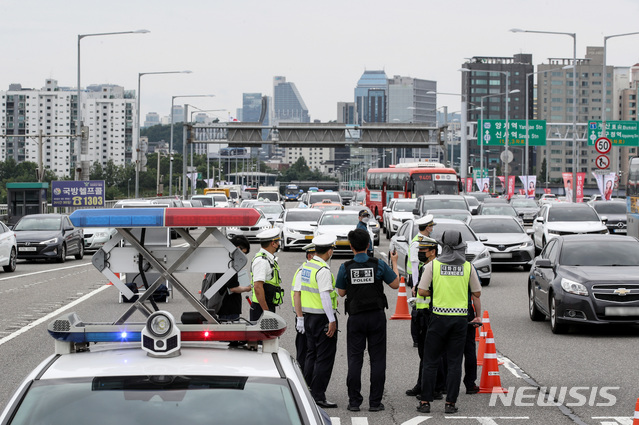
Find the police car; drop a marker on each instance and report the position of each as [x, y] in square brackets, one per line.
[164, 370]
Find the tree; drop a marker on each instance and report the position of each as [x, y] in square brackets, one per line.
[541, 178]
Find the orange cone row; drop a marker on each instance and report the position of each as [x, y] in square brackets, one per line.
[635, 420]
[490, 381]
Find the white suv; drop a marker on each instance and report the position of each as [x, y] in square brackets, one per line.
[558, 218]
[398, 211]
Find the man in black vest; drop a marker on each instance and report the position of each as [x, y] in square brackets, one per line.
[362, 280]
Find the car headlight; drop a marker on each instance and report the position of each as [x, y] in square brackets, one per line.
[554, 232]
[232, 228]
[605, 231]
[484, 254]
[573, 287]
[101, 235]
[396, 219]
[50, 241]
[526, 244]
[289, 230]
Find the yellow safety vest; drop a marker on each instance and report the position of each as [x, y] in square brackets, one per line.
[274, 281]
[311, 300]
[421, 303]
[450, 288]
[409, 266]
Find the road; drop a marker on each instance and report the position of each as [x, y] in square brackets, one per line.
[578, 364]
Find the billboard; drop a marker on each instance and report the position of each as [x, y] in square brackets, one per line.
[77, 193]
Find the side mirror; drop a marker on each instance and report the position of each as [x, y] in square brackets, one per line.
[401, 239]
[544, 263]
[68, 228]
[530, 232]
[313, 224]
[483, 239]
[416, 211]
[520, 214]
[474, 212]
[604, 219]
[539, 220]
[379, 217]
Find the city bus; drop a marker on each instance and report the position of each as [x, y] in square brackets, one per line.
[408, 180]
[632, 198]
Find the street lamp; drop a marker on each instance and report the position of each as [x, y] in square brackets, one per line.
[137, 144]
[184, 141]
[463, 148]
[574, 101]
[603, 83]
[84, 173]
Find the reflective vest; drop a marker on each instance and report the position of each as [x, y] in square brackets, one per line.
[421, 303]
[311, 300]
[365, 291]
[293, 284]
[450, 288]
[277, 294]
[409, 265]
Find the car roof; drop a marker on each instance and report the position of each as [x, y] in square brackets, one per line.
[441, 196]
[568, 205]
[344, 212]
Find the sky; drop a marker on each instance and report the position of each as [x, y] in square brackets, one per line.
[238, 46]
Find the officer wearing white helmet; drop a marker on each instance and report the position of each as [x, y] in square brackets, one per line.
[425, 225]
[300, 338]
[265, 275]
[318, 300]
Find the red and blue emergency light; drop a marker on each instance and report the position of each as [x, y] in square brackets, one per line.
[165, 217]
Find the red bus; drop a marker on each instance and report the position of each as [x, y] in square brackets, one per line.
[408, 180]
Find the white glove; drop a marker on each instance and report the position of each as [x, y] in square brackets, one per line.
[299, 324]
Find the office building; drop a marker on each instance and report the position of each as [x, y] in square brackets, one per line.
[370, 97]
[152, 118]
[288, 105]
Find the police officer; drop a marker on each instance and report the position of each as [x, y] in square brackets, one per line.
[364, 218]
[300, 338]
[447, 279]
[361, 280]
[319, 304]
[265, 275]
[425, 225]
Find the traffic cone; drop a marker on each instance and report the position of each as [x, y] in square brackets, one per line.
[401, 308]
[635, 421]
[490, 381]
[481, 347]
[485, 321]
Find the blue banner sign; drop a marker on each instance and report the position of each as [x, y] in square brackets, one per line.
[77, 193]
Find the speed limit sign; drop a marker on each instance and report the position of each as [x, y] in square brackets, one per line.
[603, 145]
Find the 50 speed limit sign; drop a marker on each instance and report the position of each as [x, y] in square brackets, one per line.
[603, 145]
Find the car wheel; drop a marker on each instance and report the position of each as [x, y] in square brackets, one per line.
[526, 267]
[63, 254]
[80, 254]
[485, 282]
[284, 247]
[388, 233]
[11, 267]
[533, 311]
[556, 328]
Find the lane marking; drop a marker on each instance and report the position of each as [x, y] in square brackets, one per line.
[52, 315]
[45, 271]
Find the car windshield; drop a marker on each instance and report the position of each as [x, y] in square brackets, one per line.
[271, 196]
[38, 224]
[205, 200]
[498, 210]
[270, 209]
[220, 198]
[610, 207]
[440, 228]
[329, 219]
[450, 214]
[496, 226]
[427, 187]
[307, 215]
[472, 201]
[404, 206]
[608, 253]
[346, 193]
[524, 203]
[445, 204]
[319, 197]
[572, 214]
[361, 196]
[158, 400]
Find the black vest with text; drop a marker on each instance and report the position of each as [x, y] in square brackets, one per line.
[365, 292]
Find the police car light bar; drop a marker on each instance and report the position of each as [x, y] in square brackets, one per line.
[165, 217]
[69, 328]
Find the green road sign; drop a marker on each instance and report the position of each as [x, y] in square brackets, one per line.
[477, 173]
[493, 132]
[620, 133]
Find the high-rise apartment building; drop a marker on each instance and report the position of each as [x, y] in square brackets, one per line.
[108, 111]
[487, 79]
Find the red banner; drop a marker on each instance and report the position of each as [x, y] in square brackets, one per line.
[546, 190]
[469, 184]
[511, 186]
[580, 186]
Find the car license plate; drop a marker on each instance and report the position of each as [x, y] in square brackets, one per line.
[619, 231]
[342, 243]
[27, 248]
[501, 255]
[308, 237]
[622, 311]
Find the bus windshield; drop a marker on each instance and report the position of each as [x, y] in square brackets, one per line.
[426, 187]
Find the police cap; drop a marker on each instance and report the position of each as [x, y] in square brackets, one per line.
[427, 243]
[426, 220]
[309, 248]
[364, 213]
[325, 240]
[269, 235]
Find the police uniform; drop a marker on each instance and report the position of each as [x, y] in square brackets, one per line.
[264, 268]
[364, 226]
[363, 280]
[448, 323]
[412, 264]
[300, 338]
[319, 305]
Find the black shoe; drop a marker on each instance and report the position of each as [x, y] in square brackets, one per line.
[472, 390]
[424, 407]
[326, 404]
[413, 391]
[450, 408]
[353, 408]
[438, 395]
[377, 408]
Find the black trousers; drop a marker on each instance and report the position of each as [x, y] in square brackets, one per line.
[257, 310]
[470, 359]
[422, 318]
[414, 322]
[446, 334]
[362, 328]
[300, 349]
[320, 354]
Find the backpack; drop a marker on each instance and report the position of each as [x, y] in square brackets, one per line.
[215, 302]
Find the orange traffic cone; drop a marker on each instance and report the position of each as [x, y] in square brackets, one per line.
[485, 321]
[481, 347]
[635, 421]
[401, 308]
[490, 381]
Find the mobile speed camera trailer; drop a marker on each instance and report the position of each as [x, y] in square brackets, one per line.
[116, 257]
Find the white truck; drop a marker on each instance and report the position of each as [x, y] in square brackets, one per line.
[272, 193]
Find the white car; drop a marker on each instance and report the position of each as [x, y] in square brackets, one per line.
[217, 200]
[297, 226]
[339, 223]
[8, 249]
[252, 231]
[395, 213]
[96, 237]
[506, 240]
[565, 218]
[272, 210]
